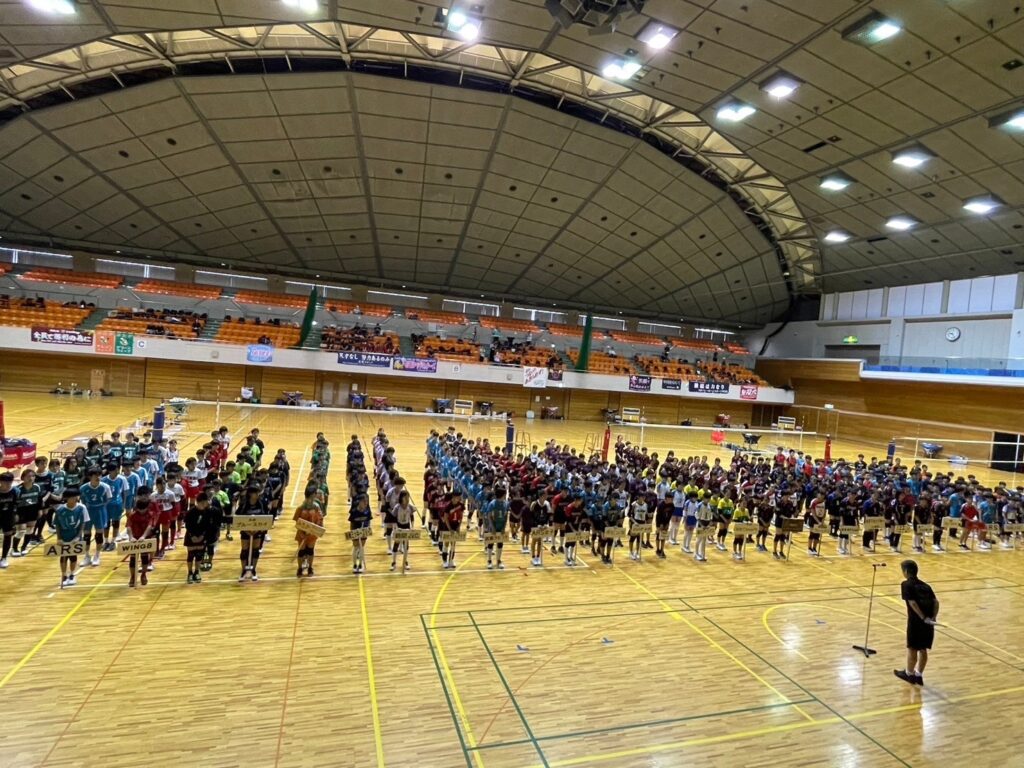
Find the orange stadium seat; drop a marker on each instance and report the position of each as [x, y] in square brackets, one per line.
[90, 279]
[171, 288]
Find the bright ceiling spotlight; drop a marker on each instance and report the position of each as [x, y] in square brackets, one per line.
[982, 204]
[735, 112]
[59, 7]
[620, 69]
[873, 28]
[912, 157]
[307, 6]
[836, 181]
[657, 36]
[1009, 121]
[462, 23]
[780, 85]
[901, 223]
[837, 236]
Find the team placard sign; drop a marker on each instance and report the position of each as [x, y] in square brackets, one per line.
[950, 522]
[744, 529]
[407, 534]
[451, 537]
[358, 534]
[574, 537]
[541, 532]
[849, 530]
[792, 525]
[873, 524]
[925, 530]
[613, 532]
[639, 529]
[994, 529]
[254, 523]
[64, 549]
[899, 529]
[140, 547]
[1014, 528]
[310, 529]
[495, 538]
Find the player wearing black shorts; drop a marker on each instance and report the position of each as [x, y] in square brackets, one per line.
[922, 608]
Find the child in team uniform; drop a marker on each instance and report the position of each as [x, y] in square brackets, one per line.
[95, 496]
[115, 508]
[495, 518]
[359, 516]
[162, 503]
[452, 522]
[70, 520]
[309, 511]
[29, 505]
[705, 517]
[252, 541]
[537, 515]
[662, 520]
[638, 515]
[404, 513]
[141, 523]
[740, 515]
[8, 516]
[197, 527]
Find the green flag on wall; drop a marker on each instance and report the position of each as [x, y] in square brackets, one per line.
[583, 361]
[307, 320]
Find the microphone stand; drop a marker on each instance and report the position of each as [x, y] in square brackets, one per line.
[865, 649]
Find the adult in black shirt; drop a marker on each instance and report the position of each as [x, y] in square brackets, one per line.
[922, 608]
[8, 502]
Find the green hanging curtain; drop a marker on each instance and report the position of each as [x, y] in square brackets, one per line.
[583, 361]
[307, 320]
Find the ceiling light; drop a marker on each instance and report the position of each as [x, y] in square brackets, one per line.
[780, 85]
[912, 157]
[62, 7]
[462, 24]
[836, 182]
[837, 236]
[656, 35]
[873, 28]
[735, 112]
[308, 6]
[1011, 121]
[901, 223]
[620, 69]
[982, 204]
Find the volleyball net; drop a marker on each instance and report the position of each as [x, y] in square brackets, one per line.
[666, 437]
[197, 418]
[957, 452]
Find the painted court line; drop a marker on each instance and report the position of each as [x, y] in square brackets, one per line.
[716, 645]
[54, 630]
[371, 678]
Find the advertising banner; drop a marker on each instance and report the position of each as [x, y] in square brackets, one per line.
[415, 364]
[535, 378]
[748, 391]
[371, 359]
[676, 384]
[709, 387]
[640, 383]
[259, 353]
[67, 337]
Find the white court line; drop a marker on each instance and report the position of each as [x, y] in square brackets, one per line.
[298, 480]
[332, 577]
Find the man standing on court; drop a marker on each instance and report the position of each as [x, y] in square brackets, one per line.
[922, 608]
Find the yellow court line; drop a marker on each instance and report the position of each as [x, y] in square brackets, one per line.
[764, 622]
[470, 738]
[55, 629]
[368, 648]
[714, 644]
[965, 634]
[770, 730]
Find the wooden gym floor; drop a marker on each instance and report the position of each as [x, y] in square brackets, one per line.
[661, 663]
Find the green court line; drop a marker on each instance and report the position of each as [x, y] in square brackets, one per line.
[686, 609]
[511, 695]
[649, 724]
[779, 672]
[722, 594]
[955, 639]
[447, 696]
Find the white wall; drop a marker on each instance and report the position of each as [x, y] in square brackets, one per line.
[981, 338]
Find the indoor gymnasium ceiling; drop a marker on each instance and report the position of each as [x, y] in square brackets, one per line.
[954, 66]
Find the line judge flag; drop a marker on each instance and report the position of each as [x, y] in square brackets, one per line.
[307, 320]
[583, 361]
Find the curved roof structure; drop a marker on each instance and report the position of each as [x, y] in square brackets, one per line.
[365, 143]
